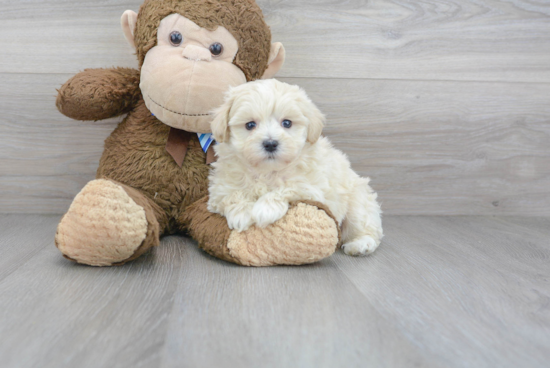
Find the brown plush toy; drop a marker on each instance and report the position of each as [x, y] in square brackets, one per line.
[153, 176]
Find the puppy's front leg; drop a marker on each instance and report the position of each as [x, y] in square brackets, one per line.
[270, 208]
[235, 207]
[239, 216]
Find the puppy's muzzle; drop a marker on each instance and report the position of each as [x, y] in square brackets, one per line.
[270, 146]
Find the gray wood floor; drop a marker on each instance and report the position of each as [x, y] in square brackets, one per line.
[440, 292]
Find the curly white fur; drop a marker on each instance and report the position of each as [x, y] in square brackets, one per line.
[249, 185]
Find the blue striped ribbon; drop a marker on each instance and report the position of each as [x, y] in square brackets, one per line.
[206, 141]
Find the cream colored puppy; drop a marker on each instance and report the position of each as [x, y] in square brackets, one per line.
[270, 152]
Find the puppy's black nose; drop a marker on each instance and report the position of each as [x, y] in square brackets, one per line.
[271, 146]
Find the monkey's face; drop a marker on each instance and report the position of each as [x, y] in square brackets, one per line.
[185, 76]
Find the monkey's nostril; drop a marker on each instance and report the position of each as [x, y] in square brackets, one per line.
[271, 146]
[195, 53]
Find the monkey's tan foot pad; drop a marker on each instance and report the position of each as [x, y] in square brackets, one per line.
[306, 234]
[104, 226]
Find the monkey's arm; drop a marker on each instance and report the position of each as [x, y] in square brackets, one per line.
[97, 94]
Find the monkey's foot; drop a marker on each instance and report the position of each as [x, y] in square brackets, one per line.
[306, 234]
[107, 224]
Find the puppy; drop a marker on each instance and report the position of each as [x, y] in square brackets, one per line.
[270, 152]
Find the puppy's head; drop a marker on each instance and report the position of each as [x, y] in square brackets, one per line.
[267, 123]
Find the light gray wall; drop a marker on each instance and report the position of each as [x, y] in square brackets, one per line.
[444, 104]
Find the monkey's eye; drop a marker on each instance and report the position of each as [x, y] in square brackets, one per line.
[287, 124]
[176, 38]
[216, 49]
[251, 126]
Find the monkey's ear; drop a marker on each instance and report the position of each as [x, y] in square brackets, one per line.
[317, 121]
[276, 60]
[128, 22]
[220, 124]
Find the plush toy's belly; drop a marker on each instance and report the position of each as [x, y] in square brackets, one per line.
[135, 155]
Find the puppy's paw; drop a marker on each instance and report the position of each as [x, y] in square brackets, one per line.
[239, 221]
[268, 210]
[361, 246]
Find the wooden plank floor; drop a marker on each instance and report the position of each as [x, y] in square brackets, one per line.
[440, 292]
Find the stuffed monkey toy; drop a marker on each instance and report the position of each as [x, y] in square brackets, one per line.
[152, 179]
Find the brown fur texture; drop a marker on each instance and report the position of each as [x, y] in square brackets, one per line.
[97, 94]
[201, 223]
[242, 18]
[156, 219]
[136, 170]
[135, 155]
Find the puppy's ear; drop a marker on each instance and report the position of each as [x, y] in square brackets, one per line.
[317, 121]
[220, 124]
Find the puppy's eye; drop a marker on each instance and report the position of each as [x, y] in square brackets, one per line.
[176, 38]
[216, 49]
[251, 126]
[287, 124]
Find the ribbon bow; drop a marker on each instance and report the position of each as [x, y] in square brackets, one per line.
[178, 144]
